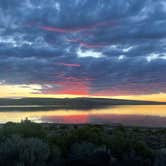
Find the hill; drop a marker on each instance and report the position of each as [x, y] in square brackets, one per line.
[72, 102]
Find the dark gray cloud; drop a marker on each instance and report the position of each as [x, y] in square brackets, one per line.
[102, 47]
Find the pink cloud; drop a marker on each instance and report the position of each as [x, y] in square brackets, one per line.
[76, 29]
[69, 64]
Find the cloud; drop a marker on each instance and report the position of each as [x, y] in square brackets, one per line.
[106, 50]
[121, 57]
[89, 53]
[155, 56]
[69, 64]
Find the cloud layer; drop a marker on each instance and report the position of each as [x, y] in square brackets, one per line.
[84, 47]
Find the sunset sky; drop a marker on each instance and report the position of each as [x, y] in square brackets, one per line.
[72, 48]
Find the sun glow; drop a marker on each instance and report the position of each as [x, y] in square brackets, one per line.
[35, 90]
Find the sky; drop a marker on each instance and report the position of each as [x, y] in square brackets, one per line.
[66, 48]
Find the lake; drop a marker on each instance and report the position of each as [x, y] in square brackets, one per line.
[135, 115]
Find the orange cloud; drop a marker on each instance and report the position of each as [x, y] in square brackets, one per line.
[72, 86]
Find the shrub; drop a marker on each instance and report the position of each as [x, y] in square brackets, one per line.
[25, 129]
[18, 151]
[160, 158]
[86, 153]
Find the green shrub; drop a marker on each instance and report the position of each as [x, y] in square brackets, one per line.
[25, 129]
[19, 151]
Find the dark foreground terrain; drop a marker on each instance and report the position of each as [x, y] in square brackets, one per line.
[31, 144]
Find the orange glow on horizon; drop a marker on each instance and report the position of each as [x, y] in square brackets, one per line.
[69, 90]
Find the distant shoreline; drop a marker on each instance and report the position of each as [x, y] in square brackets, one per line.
[72, 102]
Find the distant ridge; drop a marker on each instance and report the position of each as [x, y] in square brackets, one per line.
[73, 102]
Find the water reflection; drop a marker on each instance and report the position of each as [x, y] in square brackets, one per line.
[142, 115]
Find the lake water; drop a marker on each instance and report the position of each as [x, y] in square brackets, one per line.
[137, 115]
